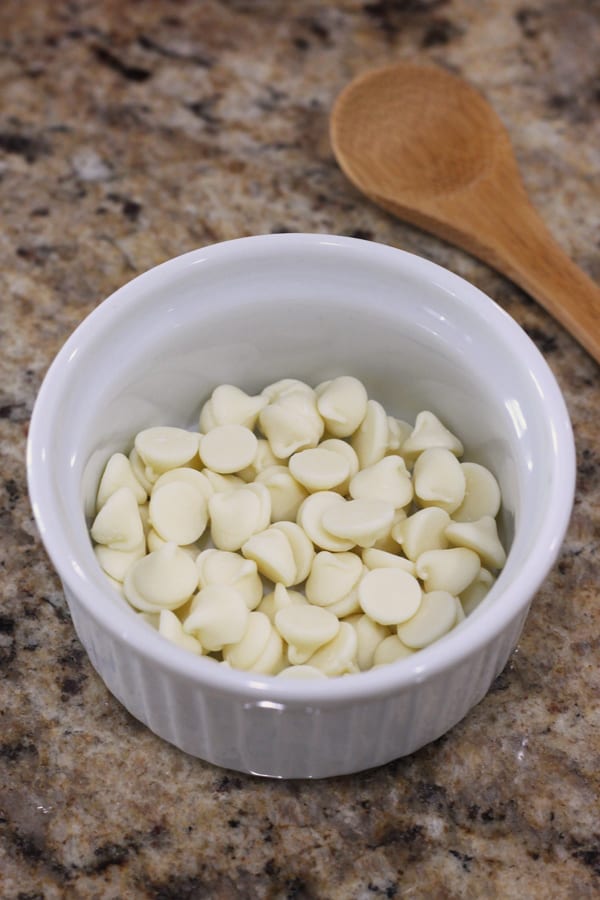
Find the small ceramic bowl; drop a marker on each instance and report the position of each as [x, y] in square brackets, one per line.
[249, 312]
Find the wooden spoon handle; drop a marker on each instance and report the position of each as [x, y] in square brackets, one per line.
[502, 228]
[526, 251]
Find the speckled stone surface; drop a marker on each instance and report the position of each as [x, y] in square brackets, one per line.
[131, 132]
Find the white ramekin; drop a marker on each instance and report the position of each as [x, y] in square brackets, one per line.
[248, 312]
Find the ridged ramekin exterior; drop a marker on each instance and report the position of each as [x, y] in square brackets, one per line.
[291, 740]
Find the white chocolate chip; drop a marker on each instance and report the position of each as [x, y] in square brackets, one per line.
[150, 618]
[310, 516]
[389, 596]
[435, 617]
[359, 521]
[184, 474]
[338, 657]
[165, 447]
[387, 541]
[222, 484]
[480, 536]
[333, 576]
[369, 635]
[171, 628]
[342, 404]
[370, 441]
[264, 499]
[424, 530]
[302, 548]
[438, 479]
[450, 570]
[225, 567]
[244, 652]
[305, 628]
[286, 386]
[336, 445]
[390, 650]
[272, 553]
[264, 459]
[346, 606]
[236, 515]
[386, 480]
[178, 512]
[141, 471]
[472, 596]
[278, 599]
[227, 449]
[430, 432]
[291, 423]
[271, 661]
[318, 469]
[145, 517]
[116, 563]
[165, 579]
[286, 494]
[382, 559]
[118, 524]
[398, 431]
[460, 613]
[118, 473]
[228, 405]
[301, 672]
[482, 494]
[154, 542]
[219, 616]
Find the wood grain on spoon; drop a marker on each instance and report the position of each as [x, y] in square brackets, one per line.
[426, 146]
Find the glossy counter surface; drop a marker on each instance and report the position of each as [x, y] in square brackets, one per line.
[132, 132]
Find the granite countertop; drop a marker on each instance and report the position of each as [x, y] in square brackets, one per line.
[129, 133]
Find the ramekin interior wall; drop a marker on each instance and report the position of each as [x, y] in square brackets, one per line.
[415, 344]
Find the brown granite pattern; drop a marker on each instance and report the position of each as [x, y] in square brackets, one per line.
[131, 132]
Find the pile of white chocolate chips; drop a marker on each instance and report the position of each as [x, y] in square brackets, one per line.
[302, 533]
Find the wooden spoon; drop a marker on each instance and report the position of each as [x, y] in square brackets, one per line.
[427, 147]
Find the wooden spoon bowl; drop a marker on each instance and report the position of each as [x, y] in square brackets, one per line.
[426, 146]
